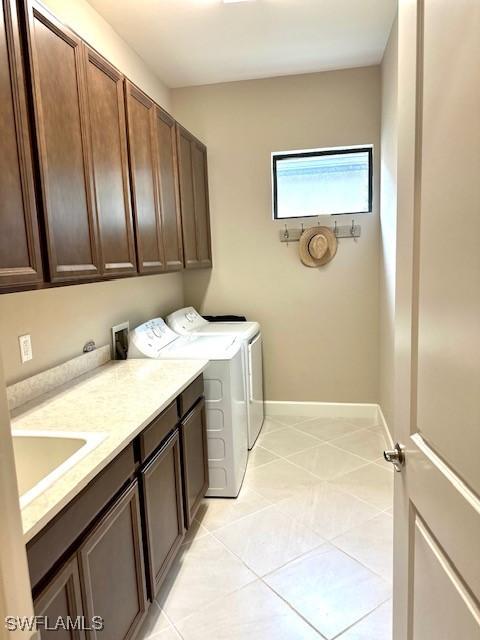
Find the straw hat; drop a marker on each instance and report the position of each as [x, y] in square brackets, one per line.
[317, 246]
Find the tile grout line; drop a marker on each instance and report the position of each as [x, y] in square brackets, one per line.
[217, 598]
[262, 580]
[352, 495]
[306, 620]
[259, 577]
[327, 541]
[237, 520]
[290, 606]
[379, 575]
[156, 635]
[339, 636]
[270, 504]
[273, 504]
[330, 442]
[366, 463]
[302, 555]
[328, 481]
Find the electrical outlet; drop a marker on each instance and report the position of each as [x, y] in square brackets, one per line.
[25, 343]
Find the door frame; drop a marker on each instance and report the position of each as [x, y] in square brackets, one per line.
[15, 588]
[404, 307]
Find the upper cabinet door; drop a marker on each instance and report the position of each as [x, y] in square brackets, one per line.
[187, 201]
[192, 169]
[143, 164]
[108, 143]
[61, 123]
[202, 209]
[168, 190]
[20, 260]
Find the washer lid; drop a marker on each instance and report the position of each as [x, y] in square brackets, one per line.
[187, 320]
[242, 330]
[202, 348]
[154, 339]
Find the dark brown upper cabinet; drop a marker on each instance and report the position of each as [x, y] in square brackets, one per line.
[168, 189]
[20, 259]
[202, 210]
[143, 168]
[194, 205]
[121, 188]
[109, 162]
[61, 118]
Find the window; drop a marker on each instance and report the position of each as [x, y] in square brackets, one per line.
[322, 182]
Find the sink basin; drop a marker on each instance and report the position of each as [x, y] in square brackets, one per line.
[42, 457]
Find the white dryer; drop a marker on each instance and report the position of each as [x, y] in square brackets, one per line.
[225, 396]
[188, 321]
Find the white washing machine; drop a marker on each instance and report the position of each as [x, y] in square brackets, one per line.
[225, 396]
[188, 321]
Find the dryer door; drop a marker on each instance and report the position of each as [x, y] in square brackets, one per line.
[255, 380]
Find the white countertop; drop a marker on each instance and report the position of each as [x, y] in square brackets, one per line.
[119, 400]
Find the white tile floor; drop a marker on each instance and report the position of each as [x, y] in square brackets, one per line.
[304, 552]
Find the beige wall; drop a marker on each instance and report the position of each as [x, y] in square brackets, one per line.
[388, 224]
[61, 320]
[320, 326]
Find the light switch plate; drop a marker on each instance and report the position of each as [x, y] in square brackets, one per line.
[25, 343]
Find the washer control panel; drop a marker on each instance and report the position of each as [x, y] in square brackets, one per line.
[185, 320]
[152, 336]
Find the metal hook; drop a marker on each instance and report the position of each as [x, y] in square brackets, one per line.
[286, 234]
[352, 229]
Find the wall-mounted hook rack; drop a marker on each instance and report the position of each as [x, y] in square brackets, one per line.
[341, 231]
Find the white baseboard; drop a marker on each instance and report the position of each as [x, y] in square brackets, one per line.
[322, 409]
[383, 423]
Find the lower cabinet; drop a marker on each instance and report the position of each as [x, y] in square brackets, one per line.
[115, 542]
[163, 511]
[195, 459]
[61, 599]
[112, 570]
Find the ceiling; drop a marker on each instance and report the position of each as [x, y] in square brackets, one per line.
[192, 42]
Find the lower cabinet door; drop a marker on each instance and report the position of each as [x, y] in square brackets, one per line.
[60, 605]
[193, 431]
[112, 570]
[162, 493]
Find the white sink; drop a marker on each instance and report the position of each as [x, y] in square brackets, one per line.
[42, 457]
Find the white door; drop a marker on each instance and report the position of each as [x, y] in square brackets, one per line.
[437, 405]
